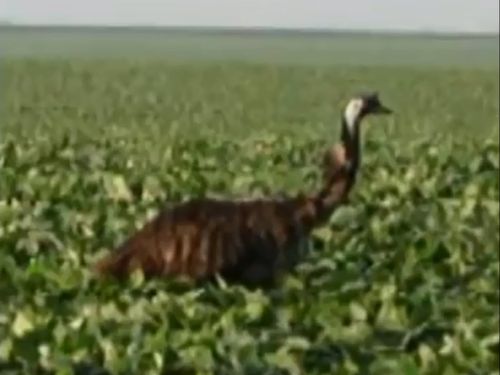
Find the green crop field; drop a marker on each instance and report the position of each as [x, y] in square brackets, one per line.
[101, 128]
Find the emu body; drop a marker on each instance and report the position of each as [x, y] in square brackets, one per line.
[250, 241]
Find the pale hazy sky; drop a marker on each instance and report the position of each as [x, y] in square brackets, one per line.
[442, 15]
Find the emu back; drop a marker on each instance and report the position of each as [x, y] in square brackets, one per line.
[247, 241]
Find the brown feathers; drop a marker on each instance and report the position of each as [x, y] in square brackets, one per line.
[248, 241]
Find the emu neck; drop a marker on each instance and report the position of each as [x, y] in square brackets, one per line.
[350, 138]
[338, 181]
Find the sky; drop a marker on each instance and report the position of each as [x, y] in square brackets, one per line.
[404, 15]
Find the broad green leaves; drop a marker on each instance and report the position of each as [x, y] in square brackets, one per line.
[402, 280]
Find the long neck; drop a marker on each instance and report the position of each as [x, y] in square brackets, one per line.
[351, 141]
[341, 167]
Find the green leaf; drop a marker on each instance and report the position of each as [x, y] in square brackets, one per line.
[22, 324]
[284, 360]
[116, 188]
[358, 312]
[5, 349]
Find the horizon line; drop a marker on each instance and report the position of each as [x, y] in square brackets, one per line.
[311, 30]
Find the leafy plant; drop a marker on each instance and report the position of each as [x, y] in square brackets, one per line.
[403, 280]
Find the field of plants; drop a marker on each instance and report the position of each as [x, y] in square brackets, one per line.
[403, 280]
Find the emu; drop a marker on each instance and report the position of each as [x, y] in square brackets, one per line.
[252, 242]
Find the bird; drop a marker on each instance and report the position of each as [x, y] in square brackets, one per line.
[254, 241]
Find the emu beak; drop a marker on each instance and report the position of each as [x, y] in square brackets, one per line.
[383, 110]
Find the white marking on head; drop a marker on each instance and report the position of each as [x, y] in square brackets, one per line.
[352, 113]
